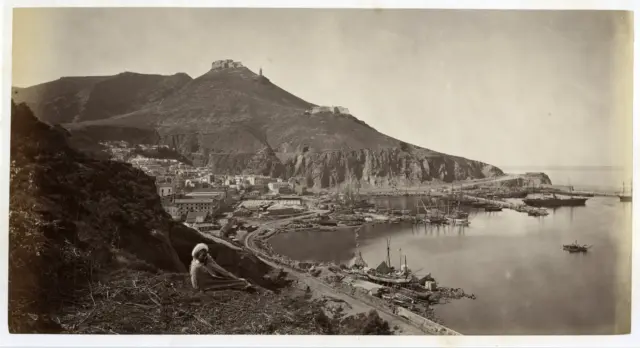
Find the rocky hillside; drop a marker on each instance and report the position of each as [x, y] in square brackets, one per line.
[77, 99]
[74, 220]
[235, 120]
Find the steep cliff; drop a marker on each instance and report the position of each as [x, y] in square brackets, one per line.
[237, 121]
[385, 167]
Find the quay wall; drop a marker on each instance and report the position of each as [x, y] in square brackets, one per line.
[425, 323]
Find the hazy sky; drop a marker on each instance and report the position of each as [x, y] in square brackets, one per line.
[508, 88]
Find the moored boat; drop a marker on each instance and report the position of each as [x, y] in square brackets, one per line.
[624, 196]
[478, 204]
[627, 198]
[554, 201]
[389, 279]
[458, 222]
[538, 212]
[576, 248]
[437, 220]
[492, 207]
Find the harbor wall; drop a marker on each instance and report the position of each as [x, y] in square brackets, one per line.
[424, 323]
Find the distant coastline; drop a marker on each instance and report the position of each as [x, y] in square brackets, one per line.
[588, 177]
[559, 168]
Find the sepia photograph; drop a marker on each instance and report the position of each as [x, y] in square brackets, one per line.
[319, 171]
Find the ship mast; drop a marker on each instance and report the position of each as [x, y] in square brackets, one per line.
[388, 252]
[406, 267]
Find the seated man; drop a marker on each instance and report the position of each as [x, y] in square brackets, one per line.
[206, 274]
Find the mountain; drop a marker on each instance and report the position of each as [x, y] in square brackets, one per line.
[234, 120]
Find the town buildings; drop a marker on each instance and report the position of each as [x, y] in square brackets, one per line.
[280, 188]
[218, 192]
[196, 217]
[186, 205]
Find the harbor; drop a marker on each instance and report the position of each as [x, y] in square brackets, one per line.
[501, 258]
[406, 253]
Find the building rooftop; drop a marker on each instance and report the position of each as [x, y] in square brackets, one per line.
[197, 214]
[193, 215]
[194, 200]
[289, 197]
[209, 189]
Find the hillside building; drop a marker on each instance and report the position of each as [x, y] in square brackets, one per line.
[165, 189]
[225, 64]
[186, 205]
[280, 187]
[218, 192]
[338, 110]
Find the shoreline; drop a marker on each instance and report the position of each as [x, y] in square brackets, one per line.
[444, 295]
[413, 323]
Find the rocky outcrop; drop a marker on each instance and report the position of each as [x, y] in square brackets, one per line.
[387, 167]
[78, 99]
[537, 179]
[370, 168]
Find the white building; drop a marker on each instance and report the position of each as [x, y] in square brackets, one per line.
[165, 190]
[331, 109]
[279, 187]
[225, 64]
[342, 110]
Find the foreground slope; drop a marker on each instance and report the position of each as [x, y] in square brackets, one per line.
[92, 251]
[237, 121]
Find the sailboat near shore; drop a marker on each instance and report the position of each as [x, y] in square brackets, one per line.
[624, 196]
[385, 274]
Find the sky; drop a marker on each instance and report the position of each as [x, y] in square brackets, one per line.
[510, 88]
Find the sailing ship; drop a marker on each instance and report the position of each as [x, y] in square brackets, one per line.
[458, 213]
[433, 216]
[456, 216]
[624, 196]
[387, 275]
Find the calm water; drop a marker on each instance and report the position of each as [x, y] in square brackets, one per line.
[524, 282]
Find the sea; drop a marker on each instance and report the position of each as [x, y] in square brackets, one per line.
[524, 282]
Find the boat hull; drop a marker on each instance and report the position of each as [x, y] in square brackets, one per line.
[388, 280]
[573, 250]
[552, 203]
[625, 198]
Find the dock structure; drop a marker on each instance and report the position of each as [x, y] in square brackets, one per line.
[505, 205]
[588, 193]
